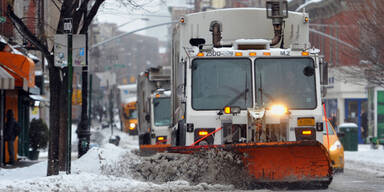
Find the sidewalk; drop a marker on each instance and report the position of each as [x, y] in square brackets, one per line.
[20, 163]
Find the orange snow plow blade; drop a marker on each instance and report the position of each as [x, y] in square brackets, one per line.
[286, 162]
[296, 161]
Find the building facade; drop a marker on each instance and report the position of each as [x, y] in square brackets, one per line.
[335, 32]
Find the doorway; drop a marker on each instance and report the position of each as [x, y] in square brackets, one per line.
[353, 110]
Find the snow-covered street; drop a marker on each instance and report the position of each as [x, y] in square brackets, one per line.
[112, 168]
[95, 172]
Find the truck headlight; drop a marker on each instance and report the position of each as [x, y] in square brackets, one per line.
[132, 126]
[278, 109]
[335, 146]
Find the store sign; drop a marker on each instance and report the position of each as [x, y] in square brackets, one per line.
[68, 25]
[78, 50]
[61, 50]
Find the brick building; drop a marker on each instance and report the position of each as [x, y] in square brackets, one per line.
[334, 30]
[6, 28]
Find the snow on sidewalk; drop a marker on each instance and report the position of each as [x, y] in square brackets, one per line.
[90, 173]
[109, 168]
[365, 159]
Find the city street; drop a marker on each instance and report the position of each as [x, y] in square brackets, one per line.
[352, 180]
[192, 95]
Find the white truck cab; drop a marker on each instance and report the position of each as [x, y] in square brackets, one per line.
[234, 80]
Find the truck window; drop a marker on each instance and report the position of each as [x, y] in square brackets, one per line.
[162, 111]
[217, 83]
[288, 81]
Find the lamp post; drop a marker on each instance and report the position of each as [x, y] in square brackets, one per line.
[131, 32]
[131, 21]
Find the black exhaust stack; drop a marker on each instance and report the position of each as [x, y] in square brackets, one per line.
[277, 10]
[216, 29]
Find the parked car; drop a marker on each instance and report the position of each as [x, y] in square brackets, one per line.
[336, 149]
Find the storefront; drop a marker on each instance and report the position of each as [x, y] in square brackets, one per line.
[346, 99]
[376, 111]
[21, 68]
[7, 82]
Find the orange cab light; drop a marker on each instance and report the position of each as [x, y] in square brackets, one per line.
[267, 53]
[305, 53]
[306, 19]
[238, 54]
[200, 54]
[252, 54]
[203, 133]
[182, 20]
[306, 132]
[227, 110]
[160, 138]
[157, 95]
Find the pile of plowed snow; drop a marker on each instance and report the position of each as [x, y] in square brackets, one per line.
[211, 167]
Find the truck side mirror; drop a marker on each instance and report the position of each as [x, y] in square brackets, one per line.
[147, 117]
[324, 73]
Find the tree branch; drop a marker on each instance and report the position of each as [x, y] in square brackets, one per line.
[78, 15]
[57, 6]
[18, 23]
[91, 15]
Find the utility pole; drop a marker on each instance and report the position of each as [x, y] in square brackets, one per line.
[68, 28]
[83, 129]
[111, 109]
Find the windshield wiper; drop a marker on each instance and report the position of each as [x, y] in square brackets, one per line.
[262, 93]
[241, 94]
[237, 97]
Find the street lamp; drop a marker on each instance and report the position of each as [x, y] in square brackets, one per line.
[143, 19]
[131, 32]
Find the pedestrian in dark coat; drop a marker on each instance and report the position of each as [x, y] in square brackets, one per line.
[364, 125]
[11, 131]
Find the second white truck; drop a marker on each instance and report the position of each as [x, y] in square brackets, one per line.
[154, 106]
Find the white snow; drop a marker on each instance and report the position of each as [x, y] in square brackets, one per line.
[90, 172]
[107, 168]
[365, 159]
[348, 125]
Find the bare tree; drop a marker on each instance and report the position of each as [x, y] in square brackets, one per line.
[81, 19]
[368, 38]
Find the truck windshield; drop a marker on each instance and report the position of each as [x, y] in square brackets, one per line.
[217, 83]
[130, 114]
[288, 81]
[162, 111]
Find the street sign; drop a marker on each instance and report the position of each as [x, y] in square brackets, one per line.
[68, 25]
[3, 19]
[78, 50]
[61, 50]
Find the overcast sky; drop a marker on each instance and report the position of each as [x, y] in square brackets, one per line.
[154, 12]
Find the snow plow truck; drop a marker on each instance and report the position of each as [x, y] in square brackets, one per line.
[246, 80]
[154, 106]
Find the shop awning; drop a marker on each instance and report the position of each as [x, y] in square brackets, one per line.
[21, 65]
[6, 80]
